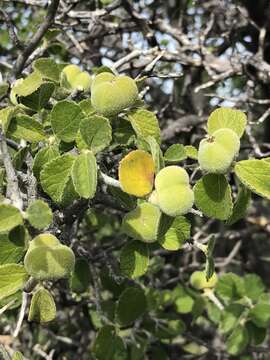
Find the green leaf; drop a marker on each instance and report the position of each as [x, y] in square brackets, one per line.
[175, 153]
[10, 217]
[255, 174]
[6, 115]
[177, 233]
[260, 315]
[96, 132]
[12, 248]
[156, 153]
[39, 98]
[131, 305]
[254, 287]
[240, 206]
[84, 174]
[145, 123]
[183, 301]
[4, 86]
[66, 116]
[27, 128]
[230, 317]
[191, 152]
[80, 278]
[55, 176]
[134, 259]
[213, 196]
[230, 287]
[29, 85]
[257, 334]
[129, 202]
[209, 267]
[19, 158]
[17, 356]
[238, 340]
[134, 223]
[12, 278]
[107, 345]
[44, 156]
[42, 307]
[87, 107]
[47, 68]
[227, 118]
[39, 214]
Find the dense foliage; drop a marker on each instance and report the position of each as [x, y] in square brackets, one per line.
[128, 221]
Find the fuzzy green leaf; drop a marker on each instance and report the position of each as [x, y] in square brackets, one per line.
[12, 278]
[84, 174]
[10, 217]
[96, 132]
[66, 116]
[213, 196]
[131, 305]
[176, 234]
[55, 176]
[175, 153]
[145, 123]
[44, 156]
[232, 119]
[47, 68]
[42, 308]
[134, 259]
[255, 174]
[39, 98]
[39, 214]
[27, 128]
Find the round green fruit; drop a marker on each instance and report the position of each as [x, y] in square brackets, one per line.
[112, 94]
[199, 282]
[47, 259]
[70, 72]
[102, 77]
[217, 152]
[82, 81]
[174, 195]
[72, 77]
[45, 239]
[142, 223]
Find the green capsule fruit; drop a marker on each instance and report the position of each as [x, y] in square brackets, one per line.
[199, 282]
[217, 152]
[112, 94]
[47, 259]
[45, 239]
[142, 223]
[102, 77]
[174, 195]
[72, 77]
[82, 81]
[70, 72]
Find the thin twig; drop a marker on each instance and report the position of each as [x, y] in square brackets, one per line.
[33, 43]
[13, 191]
[21, 314]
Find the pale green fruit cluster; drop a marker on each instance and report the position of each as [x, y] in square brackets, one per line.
[74, 78]
[217, 152]
[48, 259]
[112, 94]
[198, 280]
[173, 193]
[142, 223]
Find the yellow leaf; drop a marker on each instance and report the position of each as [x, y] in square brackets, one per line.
[136, 173]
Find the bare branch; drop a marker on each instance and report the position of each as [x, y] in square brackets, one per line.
[33, 43]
